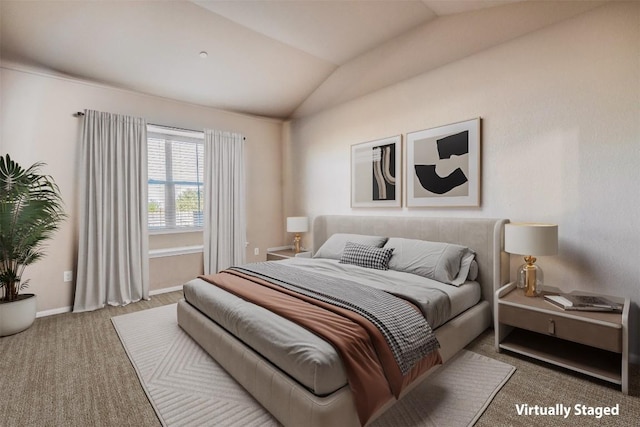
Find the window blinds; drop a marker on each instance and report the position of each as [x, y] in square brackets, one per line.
[175, 174]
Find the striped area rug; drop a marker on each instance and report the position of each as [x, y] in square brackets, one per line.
[188, 388]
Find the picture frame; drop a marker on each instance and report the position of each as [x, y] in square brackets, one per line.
[376, 178]
[442, 165]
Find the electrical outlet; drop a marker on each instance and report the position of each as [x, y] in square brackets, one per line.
[256, 251]
[67, 276]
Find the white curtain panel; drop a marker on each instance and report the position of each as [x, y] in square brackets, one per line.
[224, 201]
[113, 237]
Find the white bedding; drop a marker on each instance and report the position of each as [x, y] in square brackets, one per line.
[304, 356]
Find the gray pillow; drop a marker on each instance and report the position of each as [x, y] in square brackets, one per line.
[444, 262]
[366, 256]
[473, 270]
[334, 246]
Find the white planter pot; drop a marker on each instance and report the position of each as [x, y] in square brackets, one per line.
[16, 316]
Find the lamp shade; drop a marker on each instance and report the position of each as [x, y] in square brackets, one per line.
[297, 224]
[531, 239]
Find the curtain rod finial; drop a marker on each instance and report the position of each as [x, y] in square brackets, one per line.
[78, 114]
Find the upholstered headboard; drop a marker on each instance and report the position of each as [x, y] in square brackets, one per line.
[485, 236]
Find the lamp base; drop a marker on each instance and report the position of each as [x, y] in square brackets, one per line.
[296, 243]
[530, 277]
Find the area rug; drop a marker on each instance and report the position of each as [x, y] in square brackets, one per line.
[186, 387]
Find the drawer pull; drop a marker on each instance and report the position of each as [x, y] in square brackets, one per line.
[552, 327]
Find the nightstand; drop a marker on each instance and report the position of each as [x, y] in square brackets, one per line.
[593, 343]
[280, 254]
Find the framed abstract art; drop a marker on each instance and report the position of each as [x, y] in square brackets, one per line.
[375, 173]
[443, 166]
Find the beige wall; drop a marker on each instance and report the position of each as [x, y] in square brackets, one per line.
[560, 109]
[170, 271]
[37, 124]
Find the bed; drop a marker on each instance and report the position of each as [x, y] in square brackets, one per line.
[300, 378]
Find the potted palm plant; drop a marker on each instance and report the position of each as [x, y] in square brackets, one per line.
[30, 212]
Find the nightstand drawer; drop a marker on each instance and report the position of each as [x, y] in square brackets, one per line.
[576, 330]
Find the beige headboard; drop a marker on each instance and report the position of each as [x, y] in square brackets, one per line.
[485, 236]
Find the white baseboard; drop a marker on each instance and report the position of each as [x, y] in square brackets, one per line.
[54, 311]
[62, 310]
[165, 290]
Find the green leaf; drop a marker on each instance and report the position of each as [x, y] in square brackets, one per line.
[31, 211]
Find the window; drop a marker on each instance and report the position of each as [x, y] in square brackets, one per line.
[176, 161]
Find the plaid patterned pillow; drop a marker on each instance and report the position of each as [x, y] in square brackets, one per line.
[366, 256]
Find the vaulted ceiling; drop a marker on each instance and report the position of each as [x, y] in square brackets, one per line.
[269, 58]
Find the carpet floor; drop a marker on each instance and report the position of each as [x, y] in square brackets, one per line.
[187, 387]
[71, 370]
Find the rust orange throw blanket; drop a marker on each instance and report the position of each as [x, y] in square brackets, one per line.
[373, 374]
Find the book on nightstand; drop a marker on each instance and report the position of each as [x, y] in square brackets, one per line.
[583, 302]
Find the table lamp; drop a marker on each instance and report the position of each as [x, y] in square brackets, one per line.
[530, 240]
[297, 224]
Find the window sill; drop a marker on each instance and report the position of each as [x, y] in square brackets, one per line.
[175, 231]
[184, 250]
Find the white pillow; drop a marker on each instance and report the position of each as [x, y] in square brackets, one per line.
[334, 246]
[444, 262]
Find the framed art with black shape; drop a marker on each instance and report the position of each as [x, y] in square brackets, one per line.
[443, 166]
[375, 173]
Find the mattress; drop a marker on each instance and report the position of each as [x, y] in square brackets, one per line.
[305, 357]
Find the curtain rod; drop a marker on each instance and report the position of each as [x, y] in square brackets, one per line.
[80, 114]
[174, 127]
[184, 129]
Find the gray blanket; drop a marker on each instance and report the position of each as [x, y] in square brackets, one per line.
[406, 331]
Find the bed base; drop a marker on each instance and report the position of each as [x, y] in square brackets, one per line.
[288, 401]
